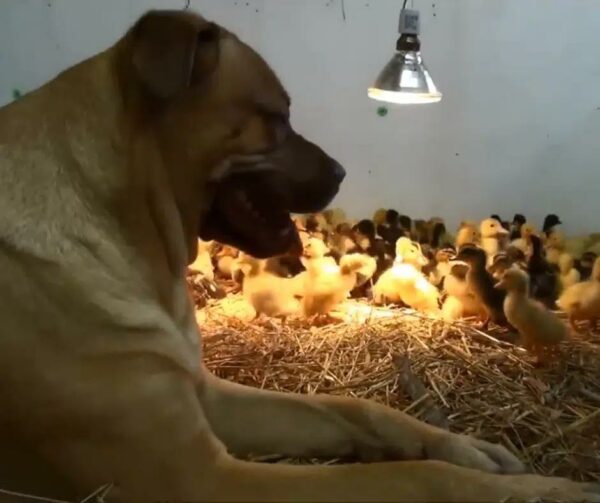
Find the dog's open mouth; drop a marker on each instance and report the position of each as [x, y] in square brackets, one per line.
[251, 215]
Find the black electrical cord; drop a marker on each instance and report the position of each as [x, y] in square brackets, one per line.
[404, 4]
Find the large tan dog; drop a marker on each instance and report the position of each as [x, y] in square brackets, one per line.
[108, 174]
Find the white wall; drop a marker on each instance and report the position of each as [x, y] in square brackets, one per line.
[518, 129]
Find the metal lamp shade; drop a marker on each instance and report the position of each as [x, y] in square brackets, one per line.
[405, 80]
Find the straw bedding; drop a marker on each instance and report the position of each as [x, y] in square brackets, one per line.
[451, 375]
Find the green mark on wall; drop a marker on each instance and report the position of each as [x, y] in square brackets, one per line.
[16, 94]
[382, 111]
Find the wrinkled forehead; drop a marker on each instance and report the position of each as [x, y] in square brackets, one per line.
[243, 74]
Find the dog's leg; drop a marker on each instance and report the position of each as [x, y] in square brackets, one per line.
[143, 429]
[249, 421]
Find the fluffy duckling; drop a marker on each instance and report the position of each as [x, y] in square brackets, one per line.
[436, 236]
[391, 230]
[515, 227]
[545, 284]
[325, 285]
[409, 252]
[568, 274]
[540, 330]
[334, 217]
[500, 264]
[481, 283]
[585, 265]
[578, 245]
[384, 257]
[420, 232]
[467, 235]
[550, 222]
[512, 257]
[503, 223]
[524, 242]
[440, 266]
[460, 301]
[404, 284]
[406, 224]
[341, 241]
[266, 292]
[203, 263]
[379, 216]
[363, 234]
[226, 259]
[555, 246]
[317, 226]
[315, 254]
[492, 236]
[582, 300]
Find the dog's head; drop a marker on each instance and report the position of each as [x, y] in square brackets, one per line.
[222, 121]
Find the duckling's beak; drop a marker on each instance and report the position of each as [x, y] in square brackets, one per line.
[502, 232]
[500, 285]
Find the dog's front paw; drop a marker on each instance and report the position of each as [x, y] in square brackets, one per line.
[470, 452]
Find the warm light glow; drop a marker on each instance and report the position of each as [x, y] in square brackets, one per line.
[404, 98]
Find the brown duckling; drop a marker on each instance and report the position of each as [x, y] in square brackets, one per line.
[481, 283]
[540, 330]
[545, 285]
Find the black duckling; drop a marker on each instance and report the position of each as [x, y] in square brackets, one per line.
[543, 276]
[421, 232]
[391, 230]
[406, 224]
[364, 234]
[481, 283]
[515, 228]
[550, 222]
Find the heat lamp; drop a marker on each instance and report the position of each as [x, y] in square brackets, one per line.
[405, 80]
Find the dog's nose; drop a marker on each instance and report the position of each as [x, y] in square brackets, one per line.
[339, 172]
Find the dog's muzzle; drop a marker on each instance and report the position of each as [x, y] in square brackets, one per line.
[253, 202]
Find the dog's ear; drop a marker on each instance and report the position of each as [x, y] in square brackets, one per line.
[172, 50]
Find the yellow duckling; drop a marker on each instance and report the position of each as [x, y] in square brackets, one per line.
[203, 264]
[569, 276]
[266, 292]
[314, 254]
[324, 284]
[409, 252]
[467, 234]
[582, 300]
[540, 329]
[226, 261]
[460, 301]
[492, 233]
[404, 283]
